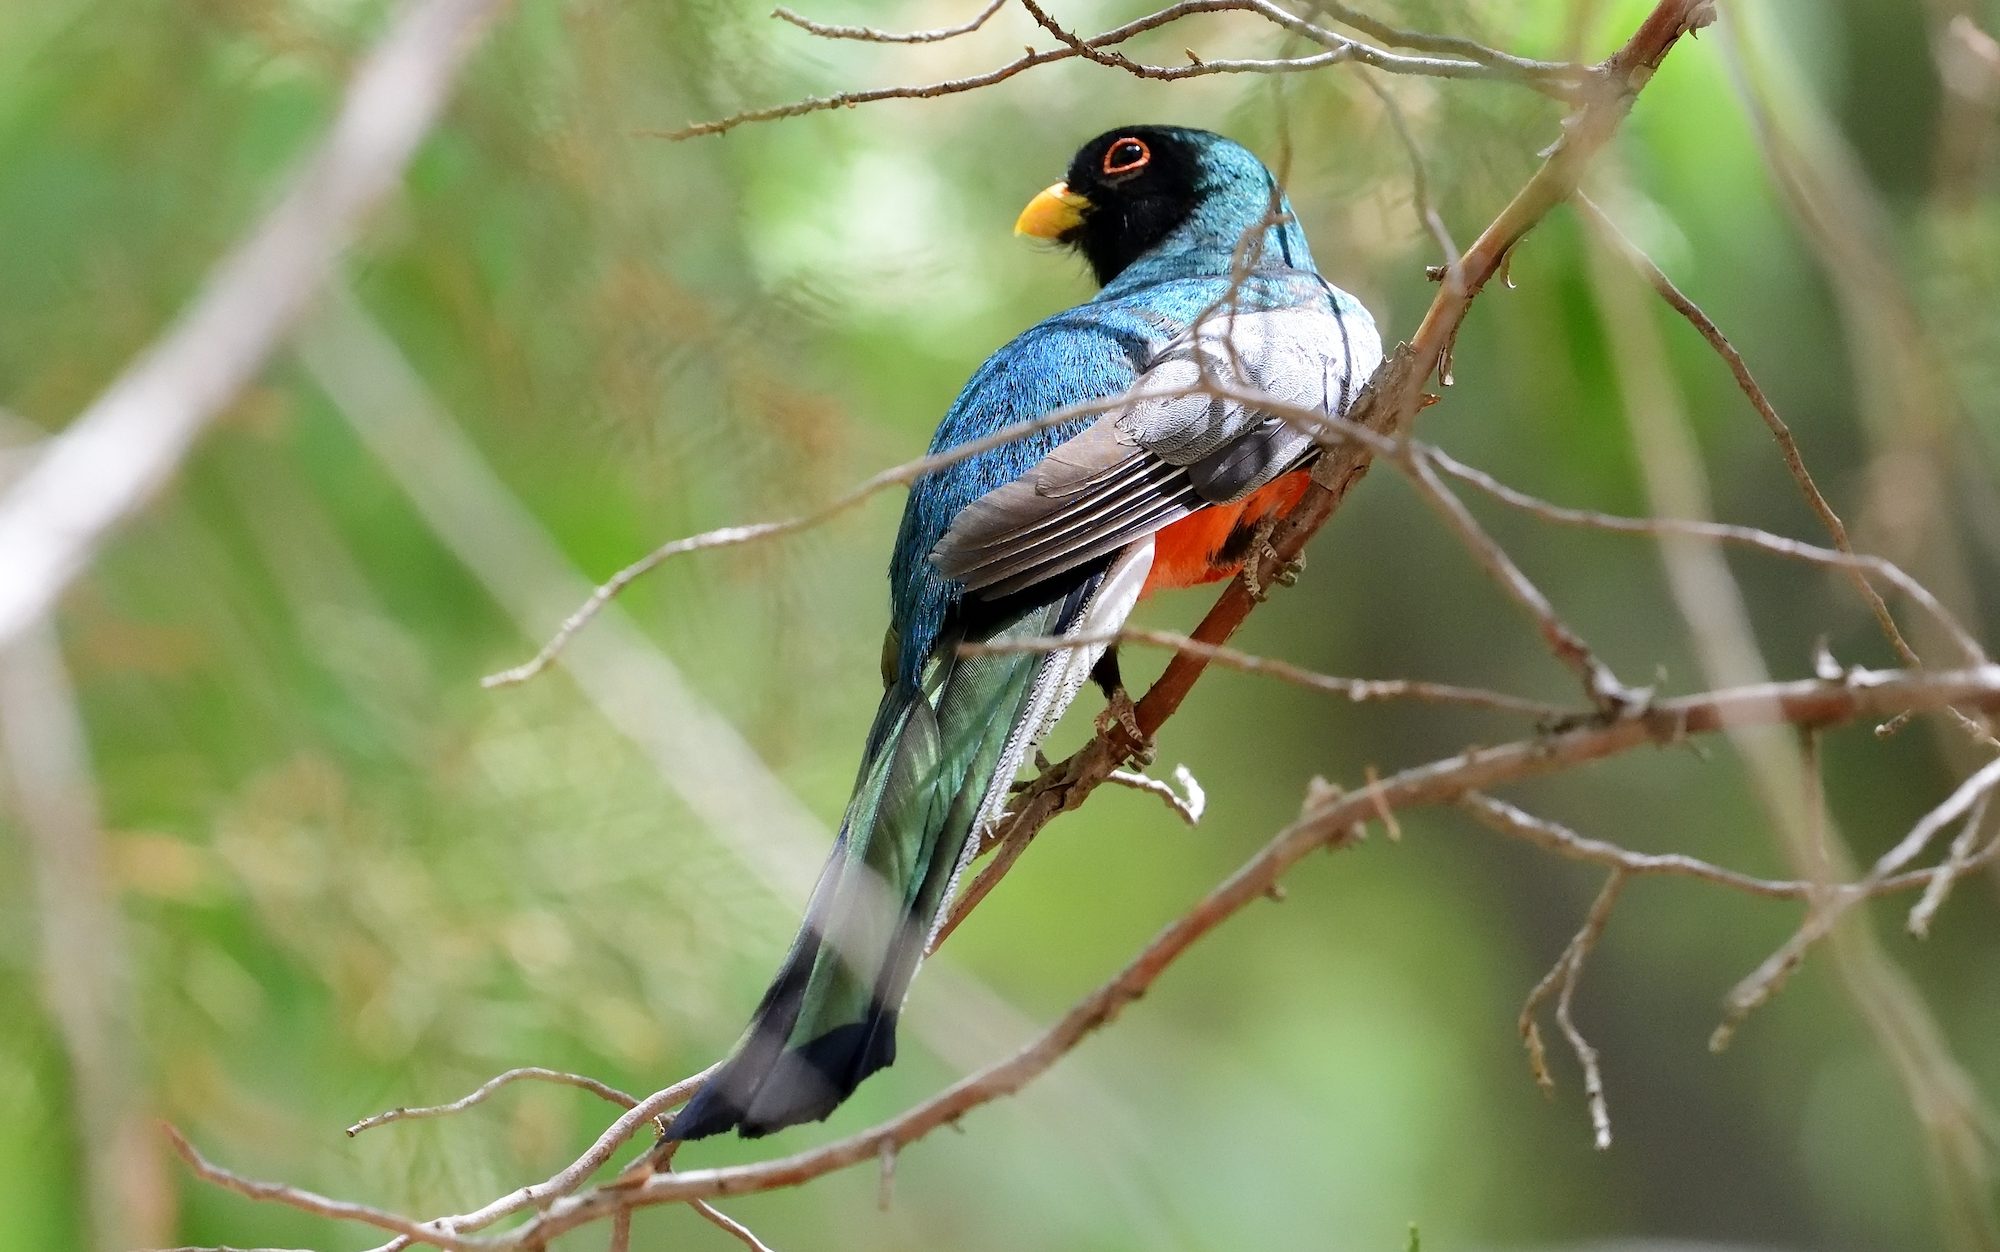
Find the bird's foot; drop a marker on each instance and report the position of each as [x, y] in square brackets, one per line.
[1264, 569]
[1119, 711]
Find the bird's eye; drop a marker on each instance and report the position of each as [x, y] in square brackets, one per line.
[1127, 156]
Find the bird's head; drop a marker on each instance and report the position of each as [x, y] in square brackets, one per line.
[1156, 192]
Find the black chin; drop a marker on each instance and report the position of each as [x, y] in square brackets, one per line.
[1119, 231]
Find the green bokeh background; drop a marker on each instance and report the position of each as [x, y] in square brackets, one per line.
[350, 878]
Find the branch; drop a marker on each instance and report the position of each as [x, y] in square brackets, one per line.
[1558, 81]
[1330, 820]
[308, 1201]
[1723, 532]
[1788, 446]
[730, 536]
[1561, 980]
[1357, 690]
[1506, 819]
[1612, 697]
[486, 1090]
[122, 449]
[869, 34]
[562, 1183]
[1188, 804]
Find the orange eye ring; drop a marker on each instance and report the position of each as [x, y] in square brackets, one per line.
[1126, 156]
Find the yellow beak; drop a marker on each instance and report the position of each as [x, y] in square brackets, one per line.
[1055, 212]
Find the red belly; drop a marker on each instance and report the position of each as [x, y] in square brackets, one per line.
[1190, 552]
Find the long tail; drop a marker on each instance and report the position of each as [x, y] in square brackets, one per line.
[936, 769]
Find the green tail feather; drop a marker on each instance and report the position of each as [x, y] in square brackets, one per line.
[828, 1020]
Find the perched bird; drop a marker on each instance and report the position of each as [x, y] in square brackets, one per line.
[1207, 287]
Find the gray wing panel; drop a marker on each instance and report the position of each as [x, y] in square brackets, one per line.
[1175, 447]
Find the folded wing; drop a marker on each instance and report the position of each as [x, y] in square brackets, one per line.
[1184, 439]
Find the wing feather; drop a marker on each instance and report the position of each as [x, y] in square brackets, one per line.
[1172, 449]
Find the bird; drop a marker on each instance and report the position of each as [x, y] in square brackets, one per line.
[1162, 479]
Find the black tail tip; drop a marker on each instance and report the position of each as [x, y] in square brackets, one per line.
[756, 1096]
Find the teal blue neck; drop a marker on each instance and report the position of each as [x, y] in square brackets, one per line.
[1236, 194]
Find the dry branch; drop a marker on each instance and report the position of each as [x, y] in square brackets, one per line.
[487, 1089]
[1357, 690]
[871, 34]
[1332, 820]
[1562, 82]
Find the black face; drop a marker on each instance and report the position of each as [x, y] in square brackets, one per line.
[1140, 182]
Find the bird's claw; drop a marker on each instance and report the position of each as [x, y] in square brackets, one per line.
[1119, 711]
[1265, 569]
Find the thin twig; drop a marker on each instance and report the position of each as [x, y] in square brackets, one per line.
[1579, 951]
[1420, 185]
[1448, 45]
[1357, 690]
[737, 1230]
[1558, 81]
[1769, 977]
[309, 1201]
[1611, 697]
[729, 536]
[1788, 446]
[488, 1088]
[1330, 822]
[571, 1176]
[1960, 861]
[1720, 532]
[1554, 837]
[870, 34]
[1188, 804]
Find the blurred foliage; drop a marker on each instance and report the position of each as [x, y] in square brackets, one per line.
[353, 879]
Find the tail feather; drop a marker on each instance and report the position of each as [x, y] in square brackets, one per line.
[937, 769]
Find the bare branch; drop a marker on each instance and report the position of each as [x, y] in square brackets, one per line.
[1446, 45]
[1959, 862]
[1811, 703]
[573, 1175]
[1420, 186]
[1972, 791]
[486, 1091]
[869, 34]
[743, 1234]
[729, 536]
[122, 449]
[1788, 446]
[1358, 690]
[1586, 1055]
[1330, 821]
[1558, 81]
[1769, 977]
[1612, 697]
[1188, 804]
[308, 1201]
[1720, 532]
